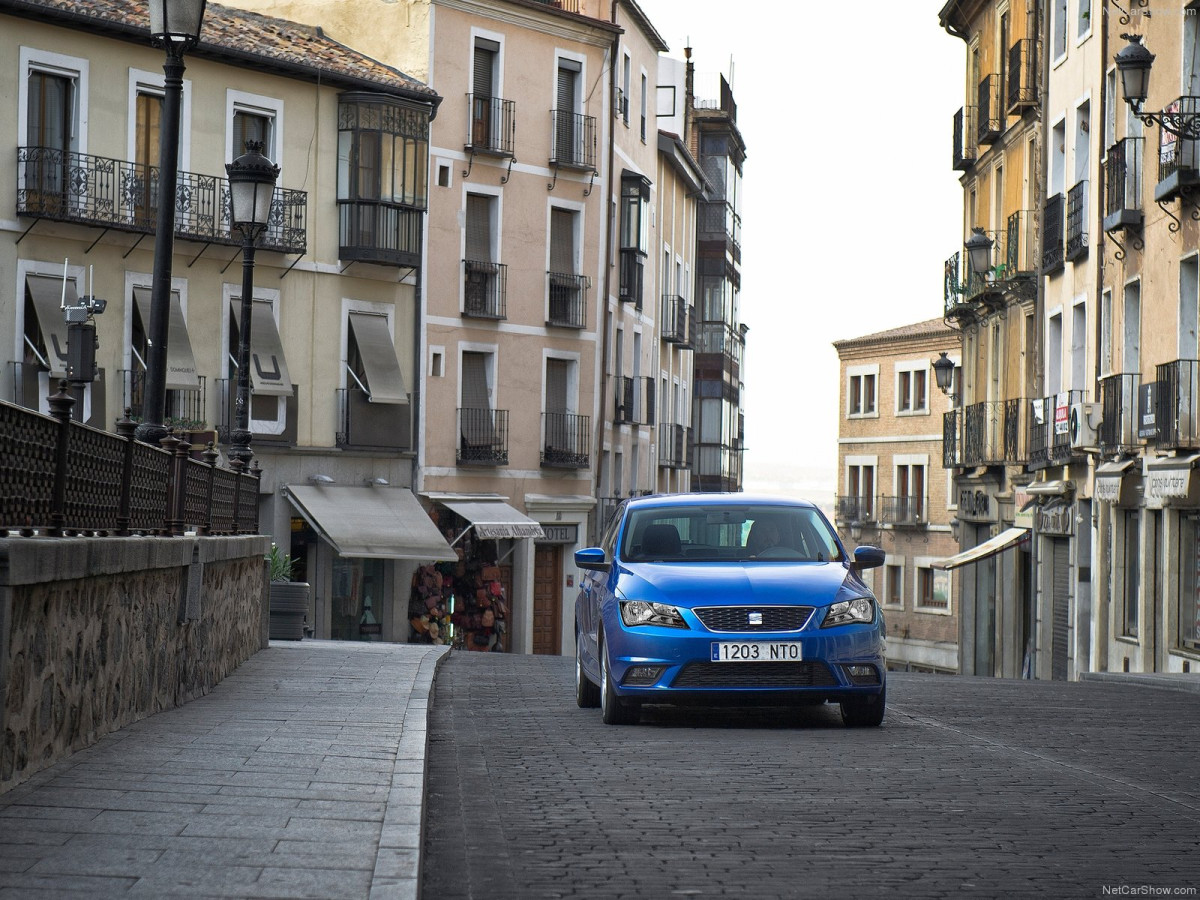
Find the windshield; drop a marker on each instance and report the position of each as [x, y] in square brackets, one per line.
[728, 533]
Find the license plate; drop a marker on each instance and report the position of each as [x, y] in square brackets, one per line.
[755, 651]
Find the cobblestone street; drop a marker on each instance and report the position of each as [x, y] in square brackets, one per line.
[972, 787]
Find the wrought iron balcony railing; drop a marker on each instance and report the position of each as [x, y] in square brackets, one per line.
[1176, 418]
[491, 125]
[375, 426]
[379, 232]
[990, 284]
[1022, 76]
[1052, 235]
[676, 321]
[634, 399]
[485, 287]
[482, 437]
[1118, 432]
[262, 409]
[992, 433]
[674, 446]
[1178, 159]
[1077, 221]
[567, 441]
[573, 139]
[186, 408]
[911, 511]
[952, 441]
[965, 150]
[990, 123]
[954, 286]
[1049, 429]
[633, 264]
[855, 508]
[1020, 246]
[568, 299]
[113, 193]
[1123, 184]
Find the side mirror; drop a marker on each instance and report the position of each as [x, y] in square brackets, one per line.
[867, 557]
[593, 558]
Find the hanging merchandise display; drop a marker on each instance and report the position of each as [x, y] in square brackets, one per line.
[430, 603]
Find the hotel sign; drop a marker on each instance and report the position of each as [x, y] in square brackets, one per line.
[559, 534]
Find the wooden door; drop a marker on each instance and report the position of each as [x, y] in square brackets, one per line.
[547, 599]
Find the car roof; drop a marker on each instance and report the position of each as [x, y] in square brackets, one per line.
[716, 499]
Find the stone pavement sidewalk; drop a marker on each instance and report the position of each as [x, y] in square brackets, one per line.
[300, 775]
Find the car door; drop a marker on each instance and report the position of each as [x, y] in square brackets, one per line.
[595, 589]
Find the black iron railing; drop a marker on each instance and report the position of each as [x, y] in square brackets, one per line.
[491, 125]
[567, 441]
[1175, 413]
[64, 478]
[1118, 432]
[990, 121]
[263, 409]
[1020, 246]
[676, 321]
[1052, 234]
[965, 150]
[982, 285]
[482, 437]
[568, 299]
[372, 426]
[1077, 221]
[186, 407]
[1049, 429]
[674, 446]
[1178, 159]
[573, 140]
[376, 231]
[954, 285]
[902, 511]
[633, 264]
[855, 508]
[112, 193]
[983, 436]
[485, 286]
[1123, 184]
[952, 442]
[1022, 75]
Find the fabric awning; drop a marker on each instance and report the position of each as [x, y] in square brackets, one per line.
[181, 362]
[495, 519]
[371, 522]
[385, 384]
[46, 291]
[268, 367]
[1170, 477]
[990, 547]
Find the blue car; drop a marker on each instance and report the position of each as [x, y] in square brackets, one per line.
[726, 598]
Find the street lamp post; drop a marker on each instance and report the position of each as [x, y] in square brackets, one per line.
[174, 26]
[251, 187]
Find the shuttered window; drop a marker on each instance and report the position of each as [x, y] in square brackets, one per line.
[250, 126]
[557, 371]
[475, 391]
[479, 227]
[49, 117]
[484, 67]
[562, 241]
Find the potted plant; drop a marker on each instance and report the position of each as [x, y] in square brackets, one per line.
[289, 599]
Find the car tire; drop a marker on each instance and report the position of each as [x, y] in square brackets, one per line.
[864, 712]
[587, 693]
[614, 710]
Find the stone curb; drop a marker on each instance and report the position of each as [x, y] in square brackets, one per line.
[1188, 682]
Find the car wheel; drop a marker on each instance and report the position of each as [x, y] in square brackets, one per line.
[587, 694]
[864, 712]
[614, 710]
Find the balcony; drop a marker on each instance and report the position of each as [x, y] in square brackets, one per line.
[676, 323]
[855, 508]
[990, 122]
[904, 512]
[567, 441]
[568, 299]
[952, 442]
[1049, 434]
[363, 425]
[718, 222]
[270, 425]
[633, 263]
[634, 400]
[1175, 413]
[110, 193]
[1052, 235]
[674, 446]
[992, 434]
[1178, 159]
[719, 338]
[573, 140]
[1077, 221]
[482, 437]
[965, 149]
[375, 231]
[954, 287]
[484, 289]
[1123, 185]
[186, 408]
[989, 287]
[1022, 76]
[1118, 432]
[491, 126]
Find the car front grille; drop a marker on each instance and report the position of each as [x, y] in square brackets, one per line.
[755, 675]
[738, 618]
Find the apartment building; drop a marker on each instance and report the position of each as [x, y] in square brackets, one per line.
[335, 322]
[893, 491]
[995, 430]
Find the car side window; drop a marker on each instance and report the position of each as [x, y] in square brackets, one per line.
[609, 539]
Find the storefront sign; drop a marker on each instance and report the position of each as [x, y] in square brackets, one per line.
[1108, 489]
[975, 505]
[1164, 483]
[1057, 519]
[1147, 398]
[559, 534]
[1022, 507]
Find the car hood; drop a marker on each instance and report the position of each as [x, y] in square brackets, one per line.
[719, 584]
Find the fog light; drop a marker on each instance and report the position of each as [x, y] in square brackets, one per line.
[642, 675]
[862, 674]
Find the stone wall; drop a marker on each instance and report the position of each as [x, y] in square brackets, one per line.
[96, 633]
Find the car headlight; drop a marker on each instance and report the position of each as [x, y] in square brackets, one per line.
[639, 612]
[847, 612]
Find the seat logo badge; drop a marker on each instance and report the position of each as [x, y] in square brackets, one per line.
[754, 618]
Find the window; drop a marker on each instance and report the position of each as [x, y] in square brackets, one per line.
[625, 89]
[1083, 25]
[912, 387]
[483, 278]
[644, 93]
[1058, 28]
[569, 134]
[1189, 583]
[1131, 346]
[483, 430]
[909, 502]
[1054, 354]
[932, 588]
[252, 118]
[861, 390]
[1131, 568]
[1078, 347]
[1189, 310]
[893, 588]
[52, 126]
[491, 117]
[860, 492]
[566, 288]
[1106, 333]
[635, 234]
[270, 381]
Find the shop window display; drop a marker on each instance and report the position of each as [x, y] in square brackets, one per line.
[462, 604]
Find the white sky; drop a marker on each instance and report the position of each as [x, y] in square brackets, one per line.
[850, 204]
